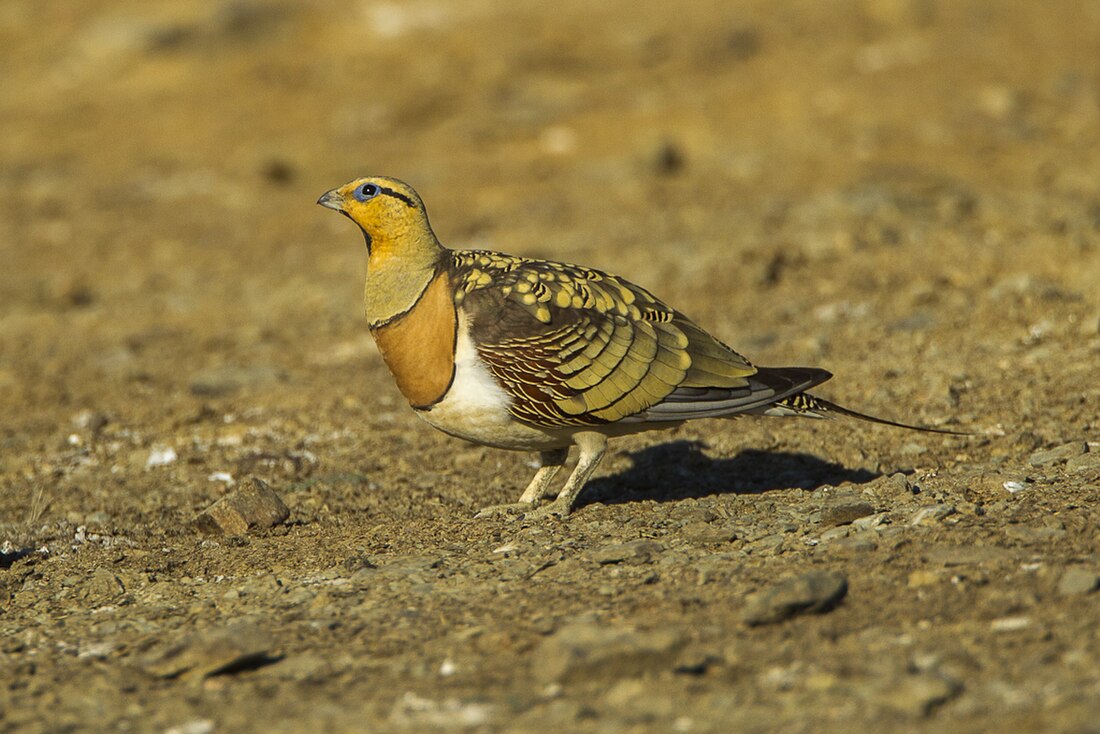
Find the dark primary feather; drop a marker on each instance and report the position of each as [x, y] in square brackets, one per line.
[769, 385]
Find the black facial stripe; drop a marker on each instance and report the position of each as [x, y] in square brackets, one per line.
[397, 195]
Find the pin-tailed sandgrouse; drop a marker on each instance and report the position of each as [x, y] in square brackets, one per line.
[535, 355]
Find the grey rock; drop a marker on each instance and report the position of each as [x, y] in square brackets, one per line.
[558, 714]
[708, 570]
[633, 699]
[870, 522]
[593, 652]
[99, 517]
[916, 322]
[967, 555]
[412, 712]
[813, 592]
[1058, 454]
[213, 652]
[858, 542]
[1010, 624]
[691, 513]
[1077, 581]
[914, 449]
[921, 694]
[931, 514]
[635, 552]
[220, 381]
[668, 158]
[469, 459]
[90, 420]
[1089, 462]
[836, 533]
[101, 588]
[706, 533]
[254, 505]
[924, 577]
[896, 486]
[768, 543]
[194, 726]
[308, 667]
[411, 569]
[1033, 534]
[844, 512]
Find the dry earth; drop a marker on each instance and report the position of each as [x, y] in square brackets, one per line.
[905, 192]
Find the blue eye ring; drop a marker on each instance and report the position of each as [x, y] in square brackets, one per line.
[366, 191]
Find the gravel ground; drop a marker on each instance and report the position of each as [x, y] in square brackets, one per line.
[904, 192]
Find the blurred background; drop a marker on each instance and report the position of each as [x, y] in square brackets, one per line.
[159, 164]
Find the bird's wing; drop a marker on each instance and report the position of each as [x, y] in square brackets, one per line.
[579, 347]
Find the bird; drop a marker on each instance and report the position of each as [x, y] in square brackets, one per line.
[534, 355]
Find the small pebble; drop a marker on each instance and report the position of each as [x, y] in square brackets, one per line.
[303, 667]
[213, 652]
[870, 522]
[860, 542]
[931, 514]
[1078, 581]
[708, 533]
[414, 713]
[161, 456]
[90, 420]
[813, 592]
[1085, 462]
[222, 381]
[253, 506]
[636, 551]
[924, 577]
[919, 695]
[967, 555]
[1010, 624]
[100, 587]
[914, 449]
[896, 486]
[195, 726]
[588, 652]
[1058, 454]
[99, 517]
[845, 512]
[668, 159]
[1033, 534]
[835, 533]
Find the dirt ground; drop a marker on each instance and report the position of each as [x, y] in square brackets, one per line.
[904, 192]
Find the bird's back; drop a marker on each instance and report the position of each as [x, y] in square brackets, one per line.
[578, 347]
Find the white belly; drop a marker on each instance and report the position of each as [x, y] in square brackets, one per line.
[476, 406]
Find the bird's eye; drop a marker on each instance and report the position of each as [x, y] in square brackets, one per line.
[366, 191]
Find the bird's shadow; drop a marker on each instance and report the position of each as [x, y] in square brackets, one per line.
[680, 470]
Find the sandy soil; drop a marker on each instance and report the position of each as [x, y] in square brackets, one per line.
[904, 192]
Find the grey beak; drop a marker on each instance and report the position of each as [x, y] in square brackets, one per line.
[332, 200]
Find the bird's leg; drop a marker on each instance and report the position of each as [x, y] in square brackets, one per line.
[592, 446]
[549, 464]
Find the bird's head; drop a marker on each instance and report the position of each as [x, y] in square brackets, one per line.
[387, 210]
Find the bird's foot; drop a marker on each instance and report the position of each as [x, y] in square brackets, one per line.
[515, 510]
[557, 508]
